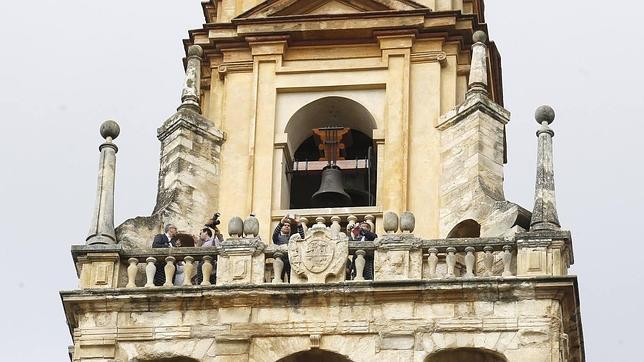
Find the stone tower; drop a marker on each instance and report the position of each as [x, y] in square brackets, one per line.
[405, 99]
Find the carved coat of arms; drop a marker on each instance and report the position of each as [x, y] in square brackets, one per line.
[320, 257]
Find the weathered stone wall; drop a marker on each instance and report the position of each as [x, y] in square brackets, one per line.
[361, 327]
[188, 189]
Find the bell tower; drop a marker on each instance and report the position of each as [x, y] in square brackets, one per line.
[337, 116]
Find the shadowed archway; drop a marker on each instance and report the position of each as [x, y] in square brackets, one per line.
[315, 355]
[465, 229]
[466, 354]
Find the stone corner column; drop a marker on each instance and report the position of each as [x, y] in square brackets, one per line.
[101, 229]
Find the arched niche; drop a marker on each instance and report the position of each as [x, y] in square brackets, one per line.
[315, 355]
[359, 163]
[326, 112]
[465, 229]
[466, 354]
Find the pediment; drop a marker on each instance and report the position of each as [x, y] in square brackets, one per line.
[278, 8]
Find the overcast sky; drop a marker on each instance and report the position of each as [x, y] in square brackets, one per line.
[68, 65]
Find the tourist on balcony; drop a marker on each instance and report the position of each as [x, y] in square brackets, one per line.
[362, 232]
[166, 240]
[206, 239]
[282, 234]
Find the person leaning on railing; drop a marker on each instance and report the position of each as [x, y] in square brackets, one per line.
[283, 233]
[166, 240]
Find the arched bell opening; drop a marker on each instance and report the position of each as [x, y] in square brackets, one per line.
[466, 354]
[315, 355]
[335, 161]
[465, 229]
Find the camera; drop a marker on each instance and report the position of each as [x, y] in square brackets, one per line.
[212, 223]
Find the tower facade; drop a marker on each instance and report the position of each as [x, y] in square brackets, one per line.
[403, 101]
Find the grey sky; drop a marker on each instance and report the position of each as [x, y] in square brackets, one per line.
[68, 65]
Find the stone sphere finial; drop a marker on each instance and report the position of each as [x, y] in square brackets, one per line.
[110, 129]
[544, 114]
[195, 50]
[479, 36]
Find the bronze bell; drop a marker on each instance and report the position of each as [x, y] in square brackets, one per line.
[331, 192]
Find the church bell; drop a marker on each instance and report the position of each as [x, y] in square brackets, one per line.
[331, 192]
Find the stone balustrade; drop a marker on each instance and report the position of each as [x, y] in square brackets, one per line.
[324, 255]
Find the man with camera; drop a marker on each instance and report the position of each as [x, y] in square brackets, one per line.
[282, 234]
[208, 237]
[362, 232]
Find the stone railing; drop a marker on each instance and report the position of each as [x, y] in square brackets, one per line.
[324, 255]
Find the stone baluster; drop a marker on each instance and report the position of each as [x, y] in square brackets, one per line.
[371, 220]
[507, 260]
[488, 261]
[304, 221]
[101, 230]
[360, 264]
[278, 267]
[470, 259]
[169, 270]
[351, 222]
[132, 269]
[432, 260]
[320, 221]
[150, 270]
[335, 225]
[187, 270]
[451, 262]
[206, 270]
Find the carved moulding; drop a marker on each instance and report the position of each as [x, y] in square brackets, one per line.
[321, 257]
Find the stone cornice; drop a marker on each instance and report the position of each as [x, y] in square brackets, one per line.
[475, 102]
[193, 121]
[351, 292]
